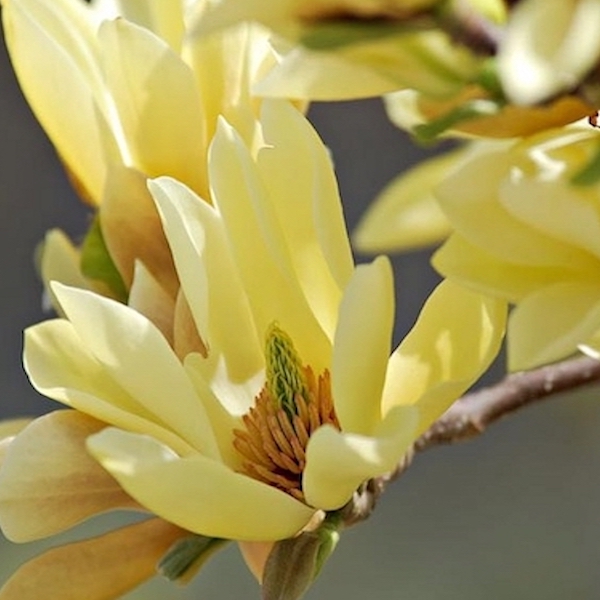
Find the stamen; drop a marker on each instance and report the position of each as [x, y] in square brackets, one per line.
[292, 405]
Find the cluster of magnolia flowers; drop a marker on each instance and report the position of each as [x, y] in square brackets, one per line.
[225, 367]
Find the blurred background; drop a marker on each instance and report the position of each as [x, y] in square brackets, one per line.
[514, 514]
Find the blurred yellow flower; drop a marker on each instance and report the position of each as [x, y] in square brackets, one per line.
[353, 48]
[406, 214]
[218, 433]
[527, 229]
[147, 94]
[549, 47]
[125, 93]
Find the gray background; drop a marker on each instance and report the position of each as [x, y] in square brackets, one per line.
[511, 515]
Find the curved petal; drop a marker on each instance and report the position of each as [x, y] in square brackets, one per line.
[149, 298]
[322, 76]
[308, 207]
[221, 310]
[8, 430]
[550, 324]
[483, 272]
[199, 494]
[337, 463]
[455, 338]
[165, 19]
[61, 367]
[557, 208]
[52, 50]
[132, 230]
[101, 568]
[158, 103]
[48, 481]
[362, 346]
[469, 197]
[138, 357]
[259, 249]
[60, 262]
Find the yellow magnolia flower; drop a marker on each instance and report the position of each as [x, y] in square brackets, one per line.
[125, 93]
[527, 230]
[147, 95]
[239, 439]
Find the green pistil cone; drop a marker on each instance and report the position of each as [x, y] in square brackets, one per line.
[285, 375]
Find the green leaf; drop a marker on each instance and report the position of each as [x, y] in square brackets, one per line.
[97, 264]
[187, 556]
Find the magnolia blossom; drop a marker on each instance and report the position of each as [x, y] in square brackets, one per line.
[147, 94]
[280, 397]
[125, 93]
[527, 229]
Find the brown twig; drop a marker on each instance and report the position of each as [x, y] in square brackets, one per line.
[472, 414]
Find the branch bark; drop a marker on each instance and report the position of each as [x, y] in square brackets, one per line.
[472, 414]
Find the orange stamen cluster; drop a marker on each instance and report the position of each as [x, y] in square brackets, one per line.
[275, 439]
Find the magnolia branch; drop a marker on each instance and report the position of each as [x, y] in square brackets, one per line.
[472, 414]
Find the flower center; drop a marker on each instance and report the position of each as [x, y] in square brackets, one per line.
[291, 406]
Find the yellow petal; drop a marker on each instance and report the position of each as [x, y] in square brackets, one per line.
[60, 262]
[221, 410]
[165, 19]
[406, 215]
[476, 268]
[337, 463]
[8, 431]
[256, 239]
[199, 494]
[324, 77]
[140, 360]
[132, 229]
[101, 568]
[307, 203]
[147, 297]
[566, 212]
[362, 347]
[455, 338]
[156, 97]
[469, 197]
[239, 54]
[221, 310]
[48, 481]
[61, 367]
[52, 50]
[550, 324]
